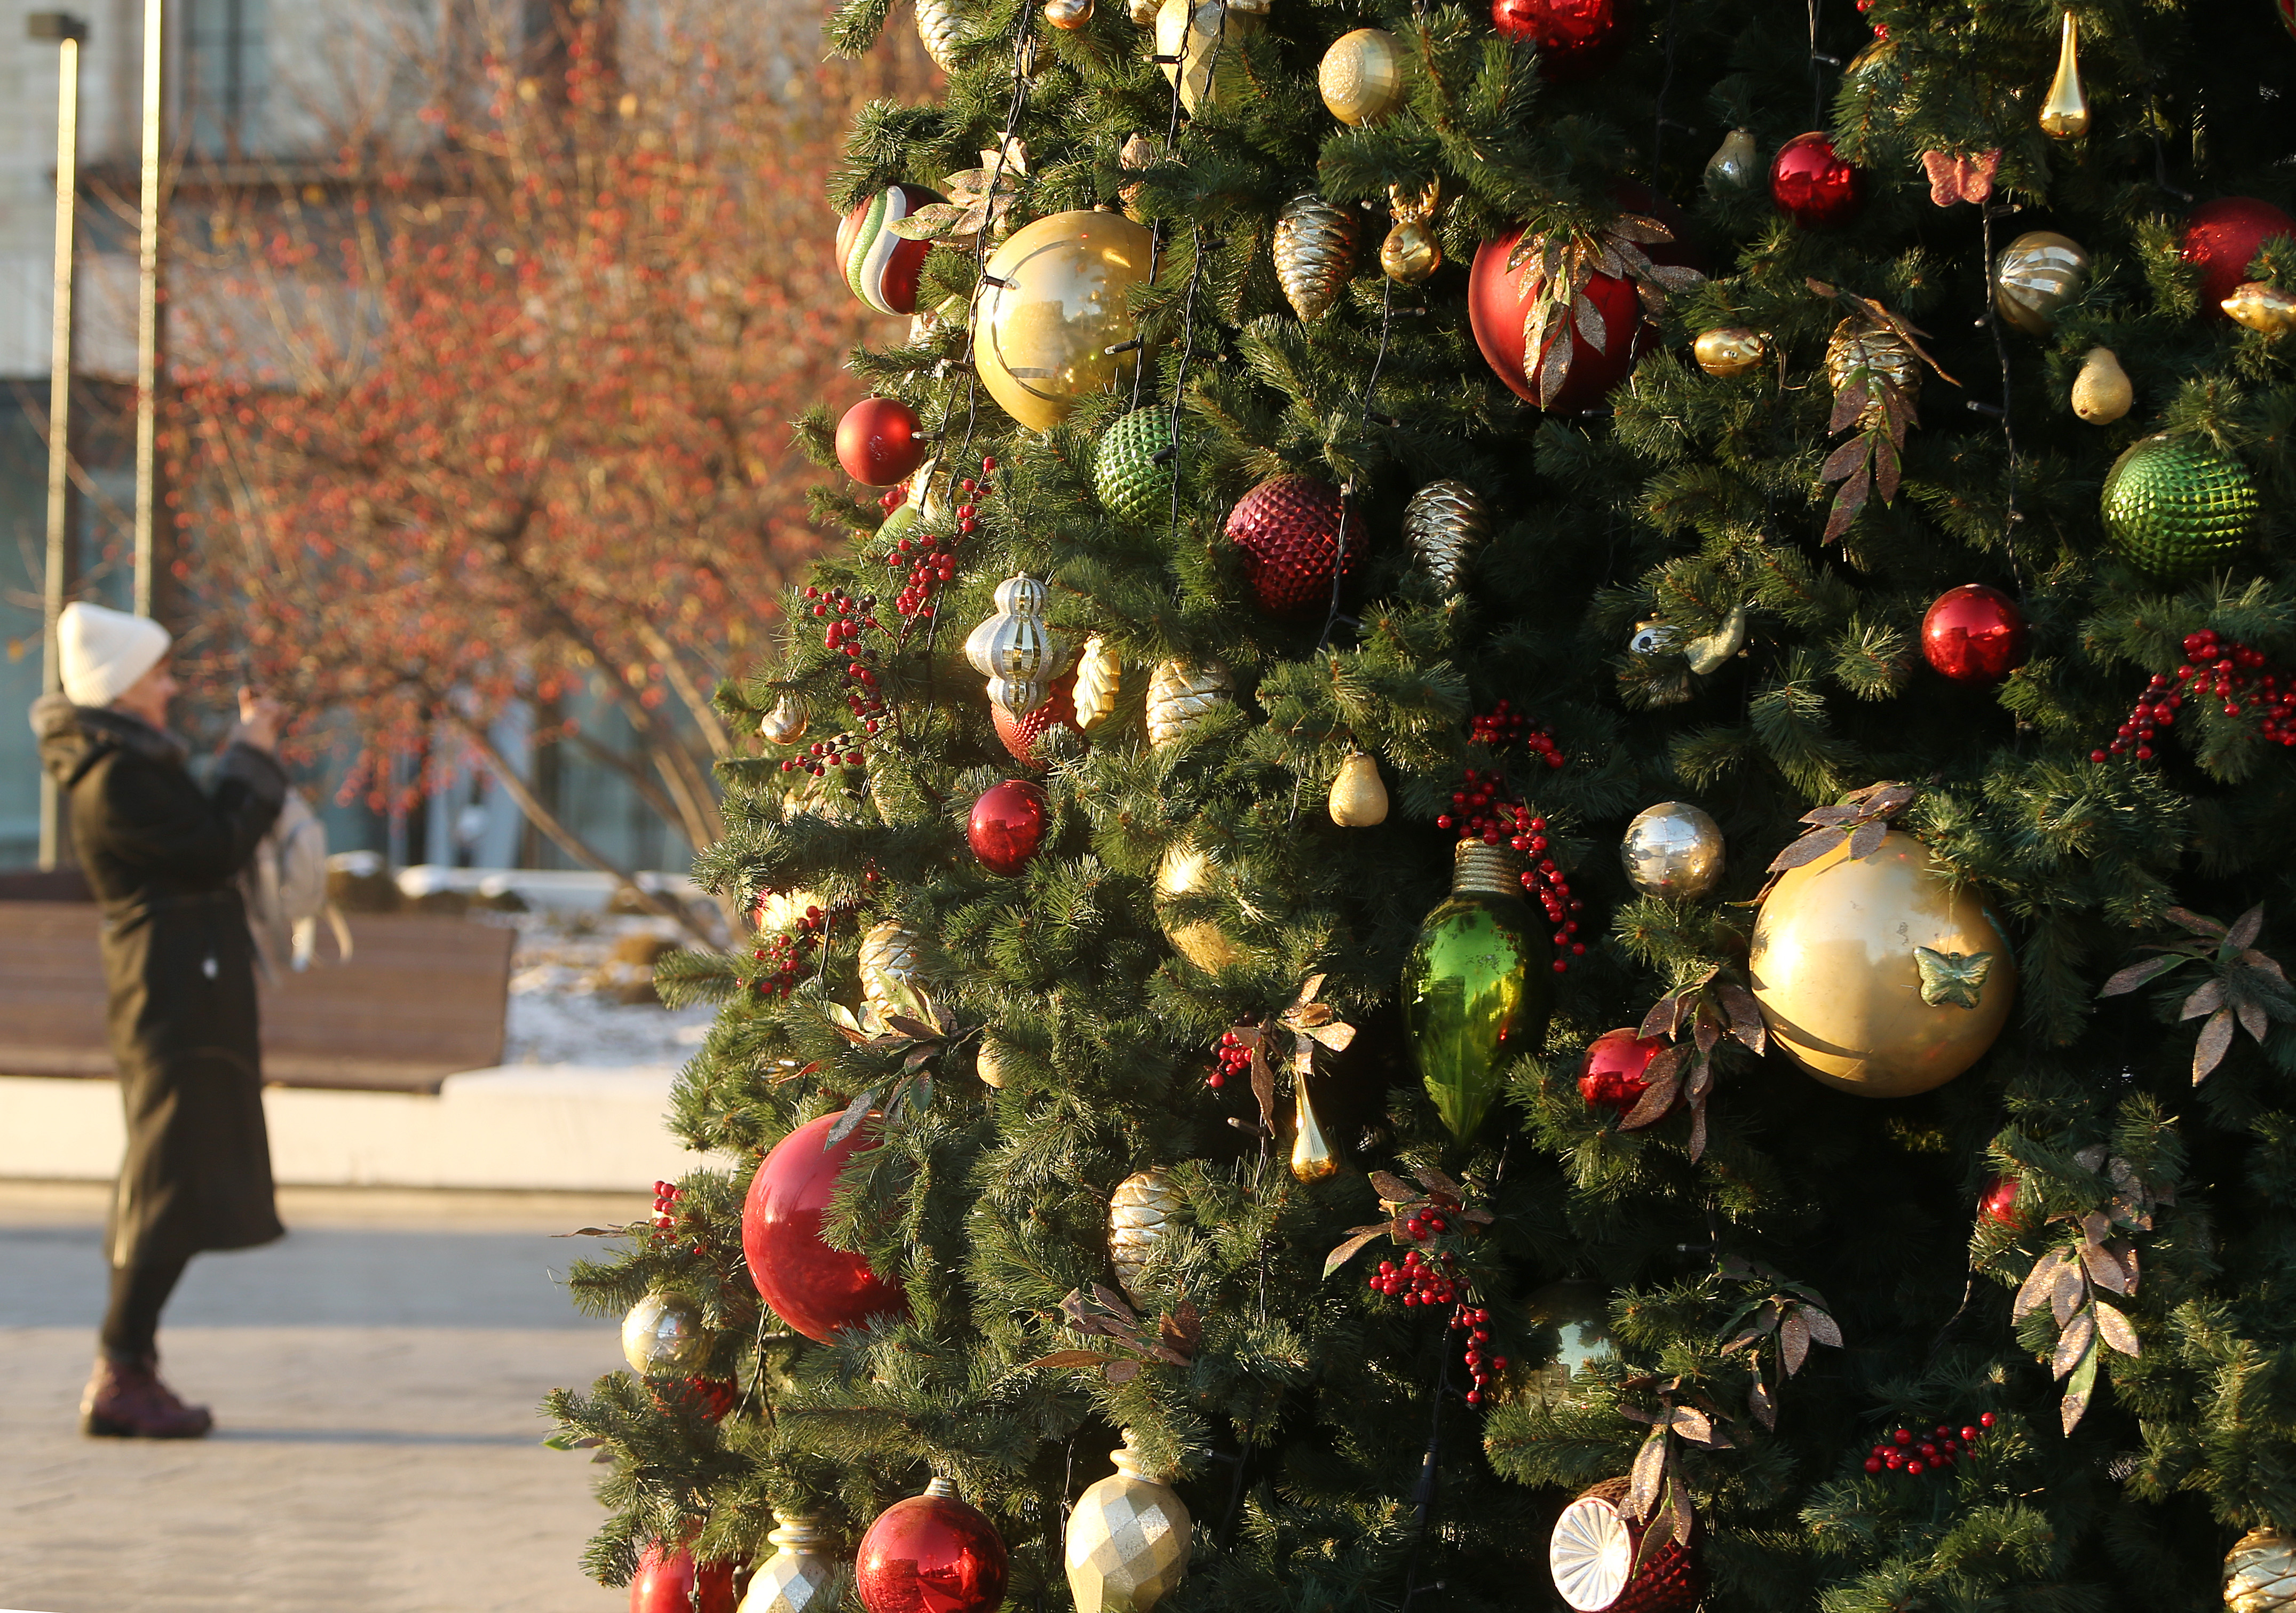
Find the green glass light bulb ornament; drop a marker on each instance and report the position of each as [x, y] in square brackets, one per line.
[1478, 986]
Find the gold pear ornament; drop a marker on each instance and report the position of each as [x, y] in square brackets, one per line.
[1128, 1539]
[1732, 166]
[2101, 391]
[2064, 115]
[1359, 797]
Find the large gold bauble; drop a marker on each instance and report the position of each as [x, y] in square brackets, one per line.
[1181, 694]
[1672, 850]
[1315, 252]
[1186, 871]
[1200, 44]
[1128, 1539]
[2101, 391]
[1055, 298]
[2259, 1572]
[1140, 1213]
[798, 1576]
[1361, 76]
[1836, 972]
[1858, 343]
[1729, 351]
[2038, 273]
[1359, 797]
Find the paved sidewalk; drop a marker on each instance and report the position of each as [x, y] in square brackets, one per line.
[374, 1377]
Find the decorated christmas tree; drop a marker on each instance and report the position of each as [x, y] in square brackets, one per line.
[1531, 837]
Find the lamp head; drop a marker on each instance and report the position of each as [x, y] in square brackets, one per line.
[58, 26]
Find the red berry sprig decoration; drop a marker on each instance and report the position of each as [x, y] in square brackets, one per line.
[784, 955]
[2214, 668]
[1483, 1365]
[1483, 808]
[666, 1195]
[1913, 1452]
[1234, 1059]
[847, 619]
[930, 558]
[1503, 725]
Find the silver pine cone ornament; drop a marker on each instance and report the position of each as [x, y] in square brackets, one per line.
[1138, 1211]
[1181, 695]
[1315, 253]
[1444, 523]
[941, 27]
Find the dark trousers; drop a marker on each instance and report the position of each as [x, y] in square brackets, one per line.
[131, 1323]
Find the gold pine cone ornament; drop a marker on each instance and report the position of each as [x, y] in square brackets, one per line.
[1128, 1539]
[888, 964]
[1099, 675]
[1315, 252]
[1859, 344]
[941, 27]
[1182, 695]
[1446, 522]
[1141, 1213]
[1880, 976]
[2259, 1572]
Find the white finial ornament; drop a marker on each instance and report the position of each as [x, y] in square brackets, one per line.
[1016, 650]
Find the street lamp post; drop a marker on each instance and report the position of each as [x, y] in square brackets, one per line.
[69, 31]
[151, 553]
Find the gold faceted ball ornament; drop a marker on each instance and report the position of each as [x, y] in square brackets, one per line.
[662, 1336]
[1673, 851]
[1729, 351]
[1444, 523]
[1361, 78]
[1099, 675]
[1196, 45]
[1881, 977]
[1859, 344]
[1128, 1539]
[2259, 1572]
[1359, 797]
[1181, 695]
[941, 29]
[784, 725]
[1315, 252]
[1188, 872]
[1141, 1213]
[1054, 299]
[2039, 273]
[2261, 306]
[797, 1579]
[2101, 391]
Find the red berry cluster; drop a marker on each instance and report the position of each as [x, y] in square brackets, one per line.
[1482, 1366]
[1482, 808]
[666, 1195]
[1503, 725]
[847, 617]
[1914, 1454]
[1417, 1280]
[784, 955]
[1234, 1059]
[1881, 29]
[2229, 671]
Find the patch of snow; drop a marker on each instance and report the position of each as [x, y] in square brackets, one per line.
[558, 1015]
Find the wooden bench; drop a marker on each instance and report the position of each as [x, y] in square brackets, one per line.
[422, 998]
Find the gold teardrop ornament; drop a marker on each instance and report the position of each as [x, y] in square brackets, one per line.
[1359, 797]
[2261, 307]
[1729, 351]
[1312, 1157]
[2101, 391]
[2064, 115]
[1315, 252]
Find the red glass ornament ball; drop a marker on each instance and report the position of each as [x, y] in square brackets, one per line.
[1289, 531]
[1812, 187]
[2222, 237]
[667, 1582]
[2287, 10]
[816, 1290]
[880, 441]
[1999, 1205]
[1576, 38]
[1499, 301]
[1021, 734]
[1975, 635]
[930, 1554]
[1007, 825]
[1610, 1073]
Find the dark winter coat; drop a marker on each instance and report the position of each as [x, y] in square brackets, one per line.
[164, 856]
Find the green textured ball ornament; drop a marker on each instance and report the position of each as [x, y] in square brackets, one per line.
[1132, 483]
[2174, 504]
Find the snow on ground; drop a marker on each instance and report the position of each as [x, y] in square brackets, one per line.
[563, 1009]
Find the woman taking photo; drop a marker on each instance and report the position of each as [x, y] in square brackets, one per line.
[163, 858]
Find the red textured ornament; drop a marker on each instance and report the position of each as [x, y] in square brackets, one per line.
[1576, 38]
[1021, 734]
[2222, 237]
[880, 441]
[1998, 1204]
[931, 1554]
[666, 1582]
[1498, 301]
[816, 1290]
[1599, 1567]
[1610, 1073]
[1007, 825]
[2287, 10]
[1975, 635]
[1287, 529]
[1812, 187]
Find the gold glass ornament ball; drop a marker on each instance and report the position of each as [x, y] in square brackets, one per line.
[1410, 254]
[2259, 1572]
[662, 1336]
[1673, 851]
[1880, 976]
[1055, 298]
[1067, 15]
[1128, 1539]
[1361, 78]
[784, 725]
[1729, 351]
[2038, 273]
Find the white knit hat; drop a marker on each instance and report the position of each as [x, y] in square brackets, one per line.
[105, 652]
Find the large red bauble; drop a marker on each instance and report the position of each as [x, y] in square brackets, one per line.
[1007, 825]
[931, 1554]
[2223, 237]
[816, 1290]
[1975, 635]
[1576, 38]
[880, 441]
[1288, 530]
[1812, 187]
[1998, 1202]
[1021, 734]
[1610, 1073]
[666, 1582]
[1498, 301]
